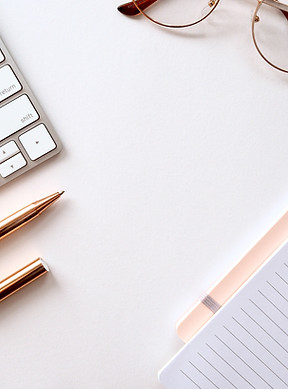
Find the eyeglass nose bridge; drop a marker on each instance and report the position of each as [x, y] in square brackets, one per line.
[275, 4]
[135, 7]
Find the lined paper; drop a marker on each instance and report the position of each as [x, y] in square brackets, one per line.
[245, 345]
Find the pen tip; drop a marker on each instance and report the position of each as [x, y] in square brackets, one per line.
[61, 193]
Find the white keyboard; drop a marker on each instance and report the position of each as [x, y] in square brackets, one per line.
[26, 135]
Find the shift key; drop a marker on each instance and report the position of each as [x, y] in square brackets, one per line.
[16, 115]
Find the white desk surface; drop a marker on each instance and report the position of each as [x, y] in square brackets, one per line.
[174, 164]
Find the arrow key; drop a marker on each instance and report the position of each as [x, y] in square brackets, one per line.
[8, 150]
[37, 142]
[12, 165]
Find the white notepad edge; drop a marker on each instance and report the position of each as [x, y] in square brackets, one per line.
[220, 310]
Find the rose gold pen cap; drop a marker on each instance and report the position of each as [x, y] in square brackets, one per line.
[22, 277]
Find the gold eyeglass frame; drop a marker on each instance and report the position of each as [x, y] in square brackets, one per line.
[213, 4]
[275, 4]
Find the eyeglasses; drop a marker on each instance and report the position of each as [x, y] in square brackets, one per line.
[269, 22]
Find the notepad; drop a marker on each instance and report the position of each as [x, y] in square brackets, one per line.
[245, 345]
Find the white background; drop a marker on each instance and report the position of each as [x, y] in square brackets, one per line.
[174, 164]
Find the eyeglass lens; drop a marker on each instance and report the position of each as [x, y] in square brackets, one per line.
[271, 35]
[177, 13]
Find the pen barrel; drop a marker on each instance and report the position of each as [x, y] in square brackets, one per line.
[17, 220]
[22, 277]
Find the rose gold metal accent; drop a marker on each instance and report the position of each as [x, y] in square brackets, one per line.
[22, 277]
[136, 7]
[26, 214]
[276, 4]
[132, 8]
[210, 303]
[172, 25]
[226, 286]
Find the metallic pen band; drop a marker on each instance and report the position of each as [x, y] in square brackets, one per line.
[210, 303]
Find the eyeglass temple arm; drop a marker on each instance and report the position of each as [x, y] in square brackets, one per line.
[130, 9]
[276, 4]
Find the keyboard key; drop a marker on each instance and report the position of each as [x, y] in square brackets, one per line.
[20, 113]
[37, 142]
[9, 85]
[16, 115]
[7, 150]
[12, 165]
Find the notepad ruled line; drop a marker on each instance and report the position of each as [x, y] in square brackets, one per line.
[204, 375]
[277, 274]
[261, 344]
[276, 290]
[256, 356]
[190, 379]
[263, 329]
[219, 372]
[245, 345]
[233, 368]
[274, 305]
[242, 360]
[277, 325]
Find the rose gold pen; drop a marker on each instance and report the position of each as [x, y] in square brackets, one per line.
[26, 214]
